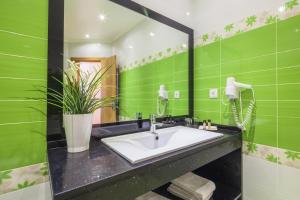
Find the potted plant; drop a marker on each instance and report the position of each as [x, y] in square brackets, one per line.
[78, 101]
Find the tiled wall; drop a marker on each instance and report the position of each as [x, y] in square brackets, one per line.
[268, 57]
[139, 86]
[23, 69]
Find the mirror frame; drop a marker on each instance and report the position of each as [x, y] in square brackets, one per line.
[55, 131]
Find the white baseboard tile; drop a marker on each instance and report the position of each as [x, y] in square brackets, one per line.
[36, 192]
[264, 180]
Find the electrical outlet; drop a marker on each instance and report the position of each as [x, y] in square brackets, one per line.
[213, 93]
[177, 94]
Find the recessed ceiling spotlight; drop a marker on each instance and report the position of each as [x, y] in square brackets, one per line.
[102, 17]
[281, 9]
[188, 13]
[130, 47]
[152, 34]
[87, 36]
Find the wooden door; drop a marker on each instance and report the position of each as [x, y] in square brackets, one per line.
[109, 88]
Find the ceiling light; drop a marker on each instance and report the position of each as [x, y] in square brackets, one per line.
[102, 17]
[188, 13]
[152, 34]
[87, 36]
[130, 47]
[281, 9]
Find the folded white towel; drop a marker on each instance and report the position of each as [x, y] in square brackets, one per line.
[177, 191]
[195, 186]
[151, 196]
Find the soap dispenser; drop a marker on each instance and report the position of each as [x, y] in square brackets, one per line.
[139, 119]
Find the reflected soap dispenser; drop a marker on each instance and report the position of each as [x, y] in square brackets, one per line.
[139, 118]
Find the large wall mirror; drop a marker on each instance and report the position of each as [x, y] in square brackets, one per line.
[149, 55]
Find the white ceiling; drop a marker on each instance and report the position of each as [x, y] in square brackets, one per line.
[82, 17]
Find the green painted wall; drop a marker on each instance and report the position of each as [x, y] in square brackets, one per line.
[268, 58]
[139, 86]
[23, 68]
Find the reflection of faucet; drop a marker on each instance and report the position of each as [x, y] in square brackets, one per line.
[153, 126]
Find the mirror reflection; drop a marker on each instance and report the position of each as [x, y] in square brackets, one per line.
[148, 60]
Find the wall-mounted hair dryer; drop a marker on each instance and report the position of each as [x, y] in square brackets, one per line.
[233, 88]
[162, 100]
[232, 91]
[162, 92]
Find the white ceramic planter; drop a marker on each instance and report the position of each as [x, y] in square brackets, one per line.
[78, 130]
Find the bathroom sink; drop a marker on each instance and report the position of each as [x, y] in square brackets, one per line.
[138, 147]
[150, 142]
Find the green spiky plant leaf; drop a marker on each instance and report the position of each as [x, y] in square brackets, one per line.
[251, 147]
[80, 90]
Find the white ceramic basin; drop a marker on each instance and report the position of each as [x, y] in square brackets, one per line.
[142, 146]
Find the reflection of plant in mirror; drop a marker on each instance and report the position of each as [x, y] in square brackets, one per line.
[251, 147]
[80, 91]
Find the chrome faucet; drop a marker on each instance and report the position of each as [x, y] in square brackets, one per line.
[153, 126]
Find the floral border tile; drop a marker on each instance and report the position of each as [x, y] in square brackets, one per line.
[277, 155]
[288, 9]
[19, 178]
[159, 55]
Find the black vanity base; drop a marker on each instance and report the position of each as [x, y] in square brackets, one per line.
[225, 172]
[102, 174]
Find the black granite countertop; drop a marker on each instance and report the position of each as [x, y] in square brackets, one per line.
[72, 174]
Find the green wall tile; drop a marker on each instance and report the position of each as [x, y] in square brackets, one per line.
[207, 55]
[263, 130]
[288, 33]
[204, 115]
[28, 17]
[289, 75]
[23, 46]
[23, 32]
[22, 144]
[208, 105]
[139, 94]
[266, 62]
[14, 112]
[287, 109]
[20, 89]
[11, 66]
[289, 92]
[207, 82]
[251, 57]
[255, 43]
[288, 133]
[207, 70]
[289, 58]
